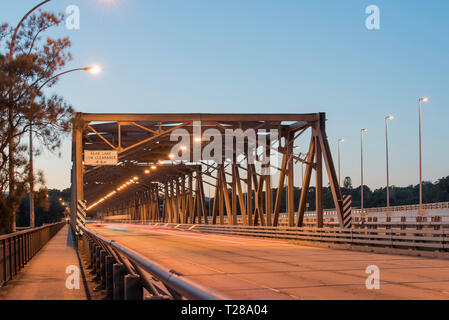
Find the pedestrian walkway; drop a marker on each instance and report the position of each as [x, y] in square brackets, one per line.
[44, 278]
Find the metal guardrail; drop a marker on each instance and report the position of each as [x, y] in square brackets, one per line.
[17, 249]
[331, 218]
[409, 207]
[417, 223]
[415, 239]
[107, 255]
[427, 224]
[412, 207]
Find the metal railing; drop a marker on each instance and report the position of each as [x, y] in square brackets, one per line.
[331, 218]
[415, 239]
[401, 222]
[408, 207]
[405, 239]
[17, 249]
[124, 273]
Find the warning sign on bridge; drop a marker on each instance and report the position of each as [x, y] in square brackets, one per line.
[100, 158]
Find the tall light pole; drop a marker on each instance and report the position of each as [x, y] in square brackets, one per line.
[302, 174]
[420, 101]
[16, 30]
[302, 170]
[92, 69]
[361, 167]
[388, 168]
[339, 160]
[11, 156]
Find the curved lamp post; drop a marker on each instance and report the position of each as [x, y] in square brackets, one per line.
[91, 69]
[11, 111]
[16, 30]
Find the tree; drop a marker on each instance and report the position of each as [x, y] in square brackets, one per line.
[26, 61]
[51, 210]
[347, 183]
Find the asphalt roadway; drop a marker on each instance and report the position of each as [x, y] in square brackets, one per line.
[252, 268]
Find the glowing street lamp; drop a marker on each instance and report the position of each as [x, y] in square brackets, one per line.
[95, 69]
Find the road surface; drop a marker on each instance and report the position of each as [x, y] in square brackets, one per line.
[251, 268]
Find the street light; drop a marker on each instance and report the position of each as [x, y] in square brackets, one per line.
[92, 69]
[388, 168]
[339, 160]
[420, 101]
[16, 30]
[361, 166]
[10, 58]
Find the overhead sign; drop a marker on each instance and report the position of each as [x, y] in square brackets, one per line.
[100, 158]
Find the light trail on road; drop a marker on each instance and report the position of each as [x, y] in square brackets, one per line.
[251, 268]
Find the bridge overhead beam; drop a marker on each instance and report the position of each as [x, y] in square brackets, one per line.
[159, 176]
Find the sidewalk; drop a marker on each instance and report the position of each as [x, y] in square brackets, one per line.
[44, 278]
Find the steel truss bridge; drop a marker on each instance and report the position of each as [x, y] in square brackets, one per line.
[146, 185]
[160, 236]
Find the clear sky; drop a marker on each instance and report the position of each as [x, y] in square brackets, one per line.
[260, 56]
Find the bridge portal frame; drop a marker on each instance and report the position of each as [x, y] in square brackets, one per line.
[134, 134]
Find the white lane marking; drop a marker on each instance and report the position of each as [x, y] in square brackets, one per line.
[242, 279]
[178, 234]
[143, 227]
[181, 234]
[236, 237]
[204, 236]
